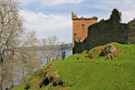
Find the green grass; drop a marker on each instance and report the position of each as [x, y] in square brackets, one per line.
[91, 74]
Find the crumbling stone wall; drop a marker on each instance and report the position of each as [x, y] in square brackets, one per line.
[131, 32]
[106, 31]
[80, 27]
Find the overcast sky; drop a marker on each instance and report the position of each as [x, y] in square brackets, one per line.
[53, 17]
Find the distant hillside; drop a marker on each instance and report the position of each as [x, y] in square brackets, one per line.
[98, 69]
[66, 46]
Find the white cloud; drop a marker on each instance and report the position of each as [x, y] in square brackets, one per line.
[58, 2]
[29, 1]
[128, 16]
[48, 25]
[51, 2]
[99, 3]
[127, 7]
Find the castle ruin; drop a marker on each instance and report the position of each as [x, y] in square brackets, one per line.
[89, 33]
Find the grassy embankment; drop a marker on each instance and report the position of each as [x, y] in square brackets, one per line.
[79, 72]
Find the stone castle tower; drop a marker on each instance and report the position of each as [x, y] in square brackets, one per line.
[80, 27]
[88, 33]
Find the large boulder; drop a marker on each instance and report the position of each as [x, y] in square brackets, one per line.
[109, 52]
[110, 49]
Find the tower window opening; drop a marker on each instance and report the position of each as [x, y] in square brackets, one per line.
[83, 26]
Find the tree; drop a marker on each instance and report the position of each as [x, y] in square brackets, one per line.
[49, 49]
[10, 27]
[14, 43]
[27, 54]
[24, 61]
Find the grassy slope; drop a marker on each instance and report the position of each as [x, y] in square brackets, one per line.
[91, 74]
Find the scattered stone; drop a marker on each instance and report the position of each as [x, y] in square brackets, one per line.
[109, 52]
[110, 56]
[92, 54]
[109, 49]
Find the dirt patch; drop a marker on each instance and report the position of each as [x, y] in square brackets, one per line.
[47, 78]
[64, 88]
[93, 54]
[51, 78]
[117, 50]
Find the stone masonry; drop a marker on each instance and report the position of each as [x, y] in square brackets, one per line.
[88, 33]
[80, 27]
